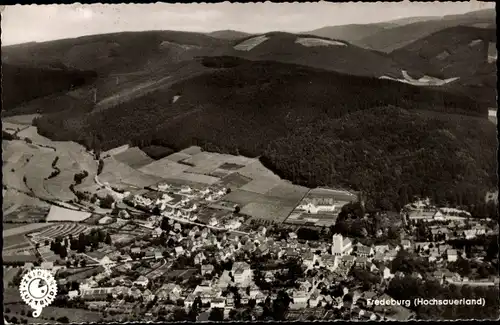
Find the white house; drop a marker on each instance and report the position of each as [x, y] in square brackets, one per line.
[241, 272]
[141, 281]
[452, 255]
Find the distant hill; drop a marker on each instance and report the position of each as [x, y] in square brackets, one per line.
[390, 39]
[228, 34]
[457, 52]
[317, 52]
[115, 53]
[350, 33]
[311, 126]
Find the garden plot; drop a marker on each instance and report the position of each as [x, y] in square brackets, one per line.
[234, 180]
[261, 185]
[59, 230]
[241, 197]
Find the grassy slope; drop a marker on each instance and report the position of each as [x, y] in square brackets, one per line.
[297, 117]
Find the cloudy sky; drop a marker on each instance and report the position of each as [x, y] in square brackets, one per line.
[23, 23]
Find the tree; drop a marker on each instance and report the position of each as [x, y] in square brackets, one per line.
[180, 315]
[216, 315]
[237, 209]
[107, 202]
[63, 319]
[108, 239]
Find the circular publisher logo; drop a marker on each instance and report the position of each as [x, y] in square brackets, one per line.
[38, 289]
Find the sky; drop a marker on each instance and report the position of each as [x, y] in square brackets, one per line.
[28, 23]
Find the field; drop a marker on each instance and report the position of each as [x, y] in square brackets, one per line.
[178, 156]
[59, 230]
[61, 214]
[134, 157]
[277, 211]
[234, 180]
[261, 185]
[164, 168]
[8, 275]
[23, 214]
[23, 229]
[35, 164]
[20, 119]
[288, 191]
[256, 170]
[118, 173]
[262, 206]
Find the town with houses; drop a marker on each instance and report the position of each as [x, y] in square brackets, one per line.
[174, 253]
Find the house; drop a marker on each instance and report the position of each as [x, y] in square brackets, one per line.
[292, 235]
[158, 255]
[381, 248]
[341, 246]
[207, 269]
[300, 299]
[315, 298]
[199, 258]
[141, 281]
[213, 222]
[308, 258]
[364, 251]
[179, 250]
[405, 244]
[362, 261]
[148, 296]
[72, 294]
[452, 255]
[443, 248]
[386, 273]
[347, 260]
[156, 232]
[241, 272]
[330, 262]
[169, 291]
[135, 250]
[218, 303]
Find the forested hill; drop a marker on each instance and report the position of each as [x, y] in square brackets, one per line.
[313, 127]
[21, 84]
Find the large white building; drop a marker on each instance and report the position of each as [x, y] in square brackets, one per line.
[341, 246]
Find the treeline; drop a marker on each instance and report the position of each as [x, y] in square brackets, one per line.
[92, 240]
[317, 128]
[22, 84]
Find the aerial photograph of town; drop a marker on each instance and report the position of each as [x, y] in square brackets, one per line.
[249, 162]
